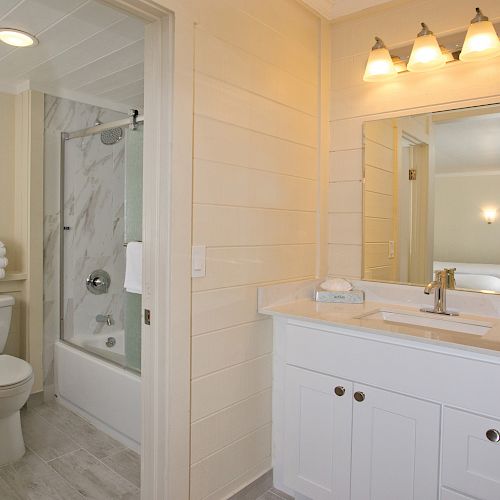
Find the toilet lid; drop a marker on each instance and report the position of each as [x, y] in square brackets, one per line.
[13, 370]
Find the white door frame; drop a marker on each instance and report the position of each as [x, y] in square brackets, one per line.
[168, 166]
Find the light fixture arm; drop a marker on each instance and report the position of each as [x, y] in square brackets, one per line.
[425, 30]
[480, 17]
[379, 44]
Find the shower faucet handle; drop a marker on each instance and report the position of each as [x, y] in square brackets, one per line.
[98, 282]
[105, 318]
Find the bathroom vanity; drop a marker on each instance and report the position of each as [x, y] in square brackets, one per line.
[378, 401]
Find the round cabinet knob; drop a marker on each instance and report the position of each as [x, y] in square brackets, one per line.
[493, 435]
[359, 396]
[339, 390]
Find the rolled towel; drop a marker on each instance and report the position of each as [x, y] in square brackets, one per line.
[4, 262]
[336, 285]
[2, 274]
[3, 252]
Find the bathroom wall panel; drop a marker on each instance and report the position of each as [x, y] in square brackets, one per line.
[251, 73]
[287, 51]
[224, 307]
[216, 391]
[7, 107]
[230, 346]
[231, 104]
[251, 226]
[227, 143]
[211, 475]
[237, 266]
[255, 207]
[216, 431]
[354, 101]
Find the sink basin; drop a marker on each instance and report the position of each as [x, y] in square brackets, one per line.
[455, 324]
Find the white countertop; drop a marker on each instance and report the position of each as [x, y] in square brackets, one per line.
[346, 316]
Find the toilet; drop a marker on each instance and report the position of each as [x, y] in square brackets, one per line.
[16, 380]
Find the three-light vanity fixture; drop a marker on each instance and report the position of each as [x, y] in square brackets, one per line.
[481, 42]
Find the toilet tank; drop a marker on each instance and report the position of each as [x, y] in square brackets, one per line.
[6, 303]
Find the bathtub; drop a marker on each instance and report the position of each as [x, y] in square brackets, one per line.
[107, 395]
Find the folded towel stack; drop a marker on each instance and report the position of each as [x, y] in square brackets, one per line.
[3, 260]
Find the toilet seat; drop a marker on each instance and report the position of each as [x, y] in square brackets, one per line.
[14, 372]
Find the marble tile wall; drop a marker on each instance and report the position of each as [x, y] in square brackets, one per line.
[94, 210]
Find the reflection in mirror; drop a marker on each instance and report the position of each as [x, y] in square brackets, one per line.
[431, 195]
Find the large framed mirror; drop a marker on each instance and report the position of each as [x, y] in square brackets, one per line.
[430, 197]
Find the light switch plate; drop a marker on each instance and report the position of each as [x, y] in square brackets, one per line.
[391, 249]
[198, 261]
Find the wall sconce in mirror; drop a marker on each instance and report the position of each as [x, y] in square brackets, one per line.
[481, 42]
[490, 215]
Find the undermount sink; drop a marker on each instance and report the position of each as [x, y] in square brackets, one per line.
[429, 320]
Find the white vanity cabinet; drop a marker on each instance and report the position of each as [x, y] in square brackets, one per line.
[361, 417]
[335, 429]
[395, 446]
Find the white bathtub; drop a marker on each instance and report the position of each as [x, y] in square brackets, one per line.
[105, 394]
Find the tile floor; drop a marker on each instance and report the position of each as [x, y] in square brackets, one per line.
[261, 489]
[68, 459]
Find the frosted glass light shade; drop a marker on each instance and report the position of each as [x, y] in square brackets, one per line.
[481, 42]
[379, 66]
[426, 54]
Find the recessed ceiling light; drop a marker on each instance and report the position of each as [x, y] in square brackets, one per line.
[17, 38]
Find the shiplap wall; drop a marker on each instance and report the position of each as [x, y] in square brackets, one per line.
[354, 101]
[380, 170]
[255, 208]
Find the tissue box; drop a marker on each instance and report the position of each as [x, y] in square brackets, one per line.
[350, 297]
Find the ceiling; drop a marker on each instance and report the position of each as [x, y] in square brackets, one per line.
[333, 9]
[88, 52]
[468, 145]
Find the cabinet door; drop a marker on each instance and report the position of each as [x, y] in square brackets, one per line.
[471, 462]
[395, 446]
[452, 495]
[317, 434]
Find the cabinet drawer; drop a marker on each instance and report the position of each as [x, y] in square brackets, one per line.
[470, 459]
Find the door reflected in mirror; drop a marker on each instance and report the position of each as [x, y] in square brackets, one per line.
[431, 196]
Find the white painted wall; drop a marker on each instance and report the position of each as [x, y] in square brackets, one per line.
[255, 208]
[354, 101]
[461, 233]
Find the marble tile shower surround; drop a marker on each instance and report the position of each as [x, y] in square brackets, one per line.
[94, 209]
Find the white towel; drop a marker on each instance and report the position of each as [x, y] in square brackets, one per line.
[133, 269]
[2, 274]
[4, 262]
[3, 252]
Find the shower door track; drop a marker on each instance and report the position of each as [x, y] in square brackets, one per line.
[130, 121]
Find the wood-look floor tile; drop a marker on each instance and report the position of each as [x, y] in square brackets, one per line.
[93, 479]
[127, 463]
[269, 495]
[32, 479]
[45, 439]
[79, 430]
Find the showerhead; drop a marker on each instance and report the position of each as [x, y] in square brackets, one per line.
[111, 136]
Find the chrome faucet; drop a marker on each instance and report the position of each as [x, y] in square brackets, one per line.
[443, 280]
[105, 318]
